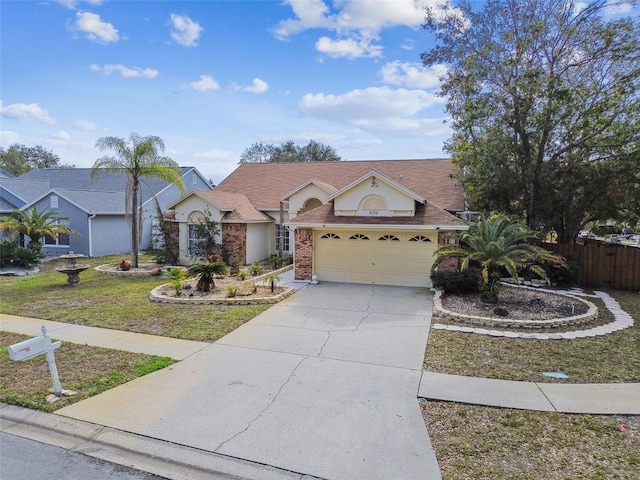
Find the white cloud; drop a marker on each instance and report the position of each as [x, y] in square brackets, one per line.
[375, 109]
[9, 137]
[258, 86]
[350, 48]
[370, 102]
[94, 28]
[205, 83]
[408, 44]
[615, 9]
[85, 125]
[24, 112]
[357, 23]
[413, 75]
[125, 72]
[185, 31]
[72, 4]
[61, 135]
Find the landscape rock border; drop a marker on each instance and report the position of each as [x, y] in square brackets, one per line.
[156, 296]
[441, 314]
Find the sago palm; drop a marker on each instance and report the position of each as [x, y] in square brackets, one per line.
[138, 160]
[496, 243]
[35, 225]
[206, 274]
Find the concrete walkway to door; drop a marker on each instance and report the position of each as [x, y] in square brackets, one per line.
[323, 384]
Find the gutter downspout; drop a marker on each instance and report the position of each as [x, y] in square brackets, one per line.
[92, 216]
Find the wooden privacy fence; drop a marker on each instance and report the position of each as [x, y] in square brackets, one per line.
[603, 265]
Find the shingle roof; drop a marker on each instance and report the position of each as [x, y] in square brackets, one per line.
[27, 190]
[96, 201]
[427, 214]
[243, 210]
[265, 183]
[80, 179]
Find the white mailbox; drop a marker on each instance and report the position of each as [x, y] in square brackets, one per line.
[32, 347]
[37, 346]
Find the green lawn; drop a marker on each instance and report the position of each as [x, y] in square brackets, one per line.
[116, 302]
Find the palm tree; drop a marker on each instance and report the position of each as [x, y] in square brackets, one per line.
[35, 225]
[206, 274]
[496, 243]
[138, 160]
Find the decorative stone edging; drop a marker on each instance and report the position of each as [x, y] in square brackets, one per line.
[440, 313]
[621, 321]
[107, 269]
[155, 296]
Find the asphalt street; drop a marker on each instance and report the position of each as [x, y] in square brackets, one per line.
[24, 459]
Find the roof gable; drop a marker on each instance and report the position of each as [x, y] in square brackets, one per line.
[376, 178]
[232, 206]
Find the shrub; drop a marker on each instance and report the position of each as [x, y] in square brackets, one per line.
[27, 257]
[12, 254]
[242, 275]
[7, 252]
[566, 275]
[466, 281]
[255, 269]
[206, 274]
[232, 290]
[177, 277]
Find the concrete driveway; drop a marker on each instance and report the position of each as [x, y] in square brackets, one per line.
[324, 384]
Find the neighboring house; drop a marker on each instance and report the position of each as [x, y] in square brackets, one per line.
[357, 221]
[95, 209]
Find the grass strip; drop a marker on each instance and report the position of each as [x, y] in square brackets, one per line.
[83, 369]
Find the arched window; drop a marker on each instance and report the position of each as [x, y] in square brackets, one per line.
[373, 202]
[194, 241]
[330, 236]
[389, 238]
[419, 238]
[358, 236]
[310, 204]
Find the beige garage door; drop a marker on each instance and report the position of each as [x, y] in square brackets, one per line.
[384, 258]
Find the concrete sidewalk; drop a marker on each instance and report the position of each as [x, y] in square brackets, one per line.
[604, 399]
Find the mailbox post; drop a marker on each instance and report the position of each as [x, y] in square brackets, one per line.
[37, 346]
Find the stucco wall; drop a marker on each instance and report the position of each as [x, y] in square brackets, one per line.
[258, 241]
[111, 235]
[397, 203]
[297, 200]
[78, 221]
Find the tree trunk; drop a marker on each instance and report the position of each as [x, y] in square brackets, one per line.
[134, 224]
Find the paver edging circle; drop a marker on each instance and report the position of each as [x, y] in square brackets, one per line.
[442, 314]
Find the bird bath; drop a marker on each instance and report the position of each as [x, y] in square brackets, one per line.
[72, 269]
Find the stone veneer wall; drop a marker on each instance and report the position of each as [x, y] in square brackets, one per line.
[449, 264]
[234, 239]
[303, 254]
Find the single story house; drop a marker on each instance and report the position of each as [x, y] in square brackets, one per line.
[94, 208]
[374, 222]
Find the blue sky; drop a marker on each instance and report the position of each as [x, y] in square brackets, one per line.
[213, 77]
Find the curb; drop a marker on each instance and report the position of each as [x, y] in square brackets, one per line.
[158, 457]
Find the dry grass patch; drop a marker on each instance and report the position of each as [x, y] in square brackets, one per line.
[474, 442]
[86, 370]
[607, 359]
